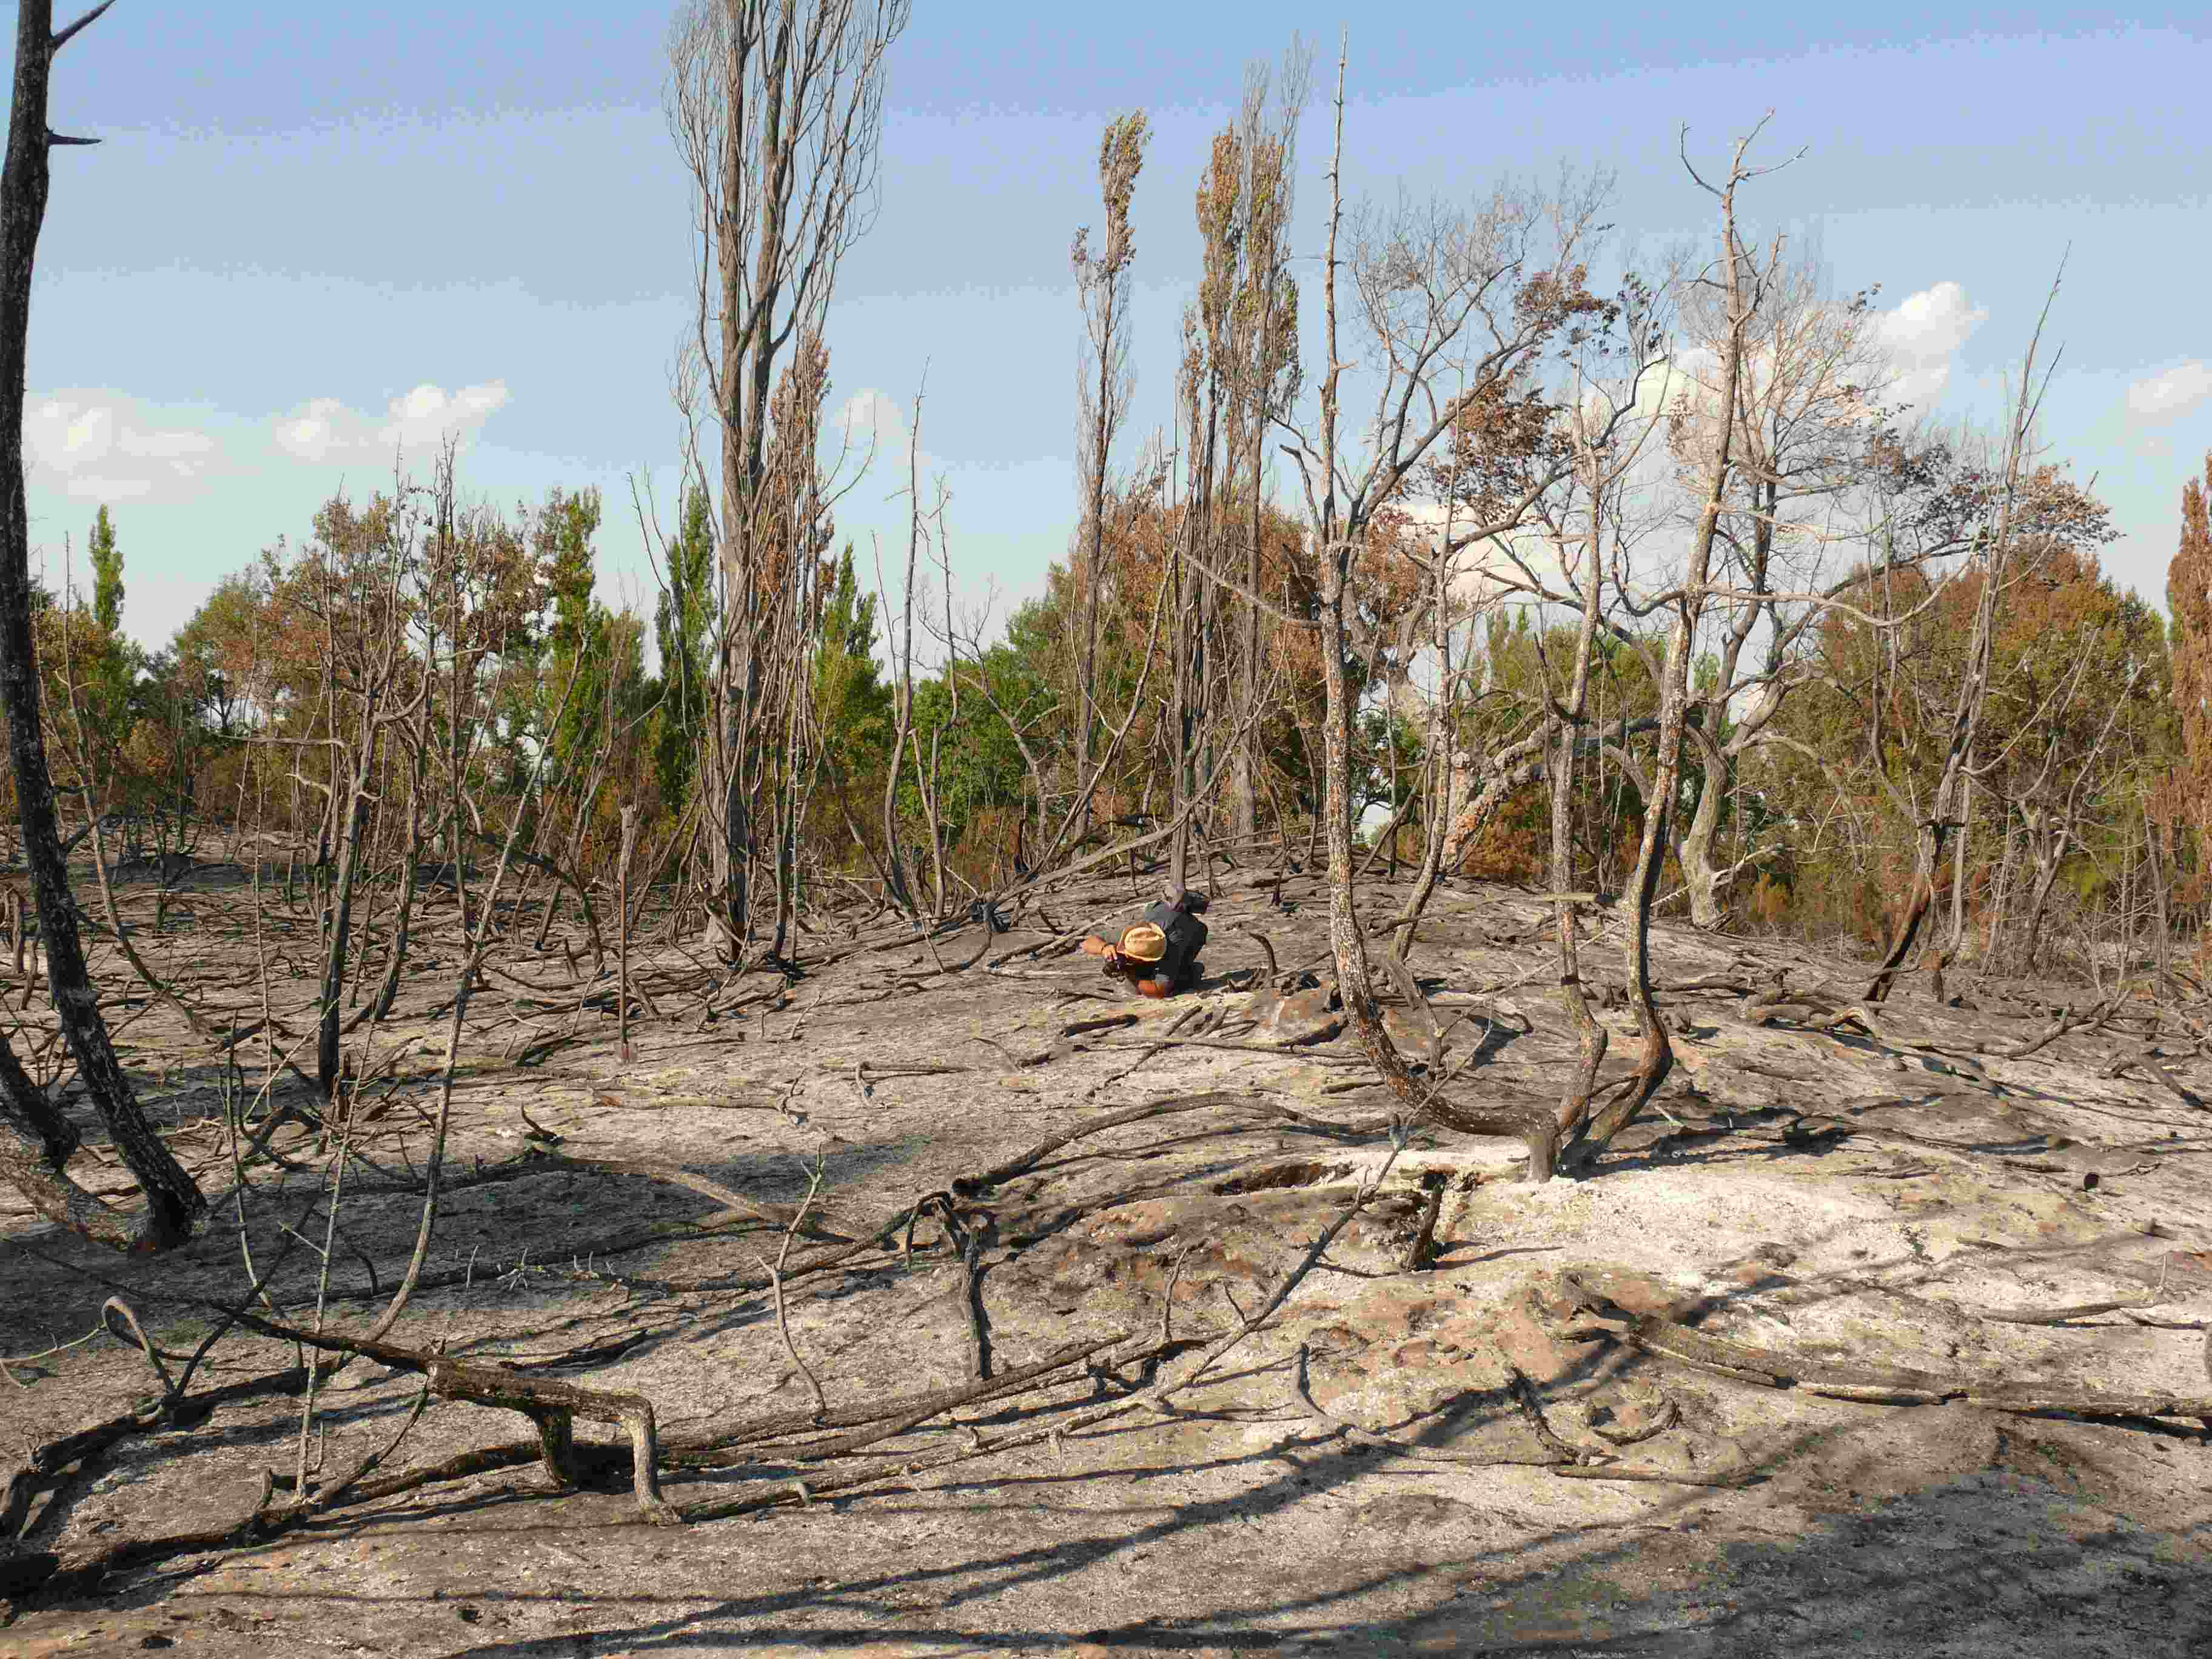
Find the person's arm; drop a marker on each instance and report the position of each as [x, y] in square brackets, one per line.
[1095, 946]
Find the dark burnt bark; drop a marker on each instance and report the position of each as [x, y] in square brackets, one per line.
[28, 1134]
[339, 937]
[1349, 945]
[1656, 1062]
[1577, 1092]
[1928, 854]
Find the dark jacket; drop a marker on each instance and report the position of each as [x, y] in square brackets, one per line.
[1186, 936]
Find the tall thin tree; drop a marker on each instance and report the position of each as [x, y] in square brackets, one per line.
[35, 1139]
[776, 106]
[2189, 600]
[1103, 384]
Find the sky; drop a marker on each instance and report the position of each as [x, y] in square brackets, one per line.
[314, 239]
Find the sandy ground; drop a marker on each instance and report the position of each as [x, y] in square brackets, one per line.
[1968, 1186]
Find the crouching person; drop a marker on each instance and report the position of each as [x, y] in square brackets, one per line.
[1159, 955]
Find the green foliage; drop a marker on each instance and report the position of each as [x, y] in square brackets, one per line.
[106, 681]
[565, 527]
[682, 625]
[2076, 719]
[580, 645]
[853, 706]
[977, 764]
[107, 574]
[211, 656]
[2184, 800]
[1388, 765]
[1520, 659]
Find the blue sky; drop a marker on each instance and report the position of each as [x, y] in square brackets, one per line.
[310, 230]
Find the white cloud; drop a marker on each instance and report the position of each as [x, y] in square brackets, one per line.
[97, 445]
[869, 430]
[2175, 391]
[870, 416]
[325, 431]
[1688, 373]
[1922, 334]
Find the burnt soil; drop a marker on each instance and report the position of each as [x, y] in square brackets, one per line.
[1820, 1191]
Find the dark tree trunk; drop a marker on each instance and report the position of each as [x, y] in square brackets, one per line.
[30, 1126]
[1930, 854]
[1349, 945]
[409, 875]
[339, 937]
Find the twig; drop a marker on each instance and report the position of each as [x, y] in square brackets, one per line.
[775, 1286]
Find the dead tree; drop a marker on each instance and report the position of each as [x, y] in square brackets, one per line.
[776, 106]
[2015, 504]
[1263, 372]
[1739, 282]
[1605, 456]
[1103, 384]
[35, 1139]
[1425, 282]
[367, 561]
[1509, 448]
[1239, 374]
[898, 884]
[1199, 386]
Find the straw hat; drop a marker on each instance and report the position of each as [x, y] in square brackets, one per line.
[1144, 943]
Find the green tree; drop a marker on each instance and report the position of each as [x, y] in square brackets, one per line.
[682, 628]
[2183, 800]
[106, 574]
[108, 678]
[579, 643]
[977, 764]
[852, 704]
[214, 656]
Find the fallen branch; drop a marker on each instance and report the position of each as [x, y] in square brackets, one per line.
[1590, 1314]
[551, 1406]
[1558, 1457]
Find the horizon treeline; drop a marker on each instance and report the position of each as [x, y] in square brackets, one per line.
[460, 650]
[1546, 546]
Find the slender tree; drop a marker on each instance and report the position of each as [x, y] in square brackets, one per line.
[2022, 494]
[113, 671]
[1808, 426]
[1476, 295]
[1263, 372]
[35, 1139]
[1103, 384]
[1739, 281]
[776, 106]
[2186, 798]
[579, 638]
[682, 626]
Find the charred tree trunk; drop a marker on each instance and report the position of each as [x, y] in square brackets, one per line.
[1928, 855]
[33, 1133]
[1739, 279]
[1705, 881]
[410, 871]
[1946, 814]
[338, 936]
[1567, 719]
